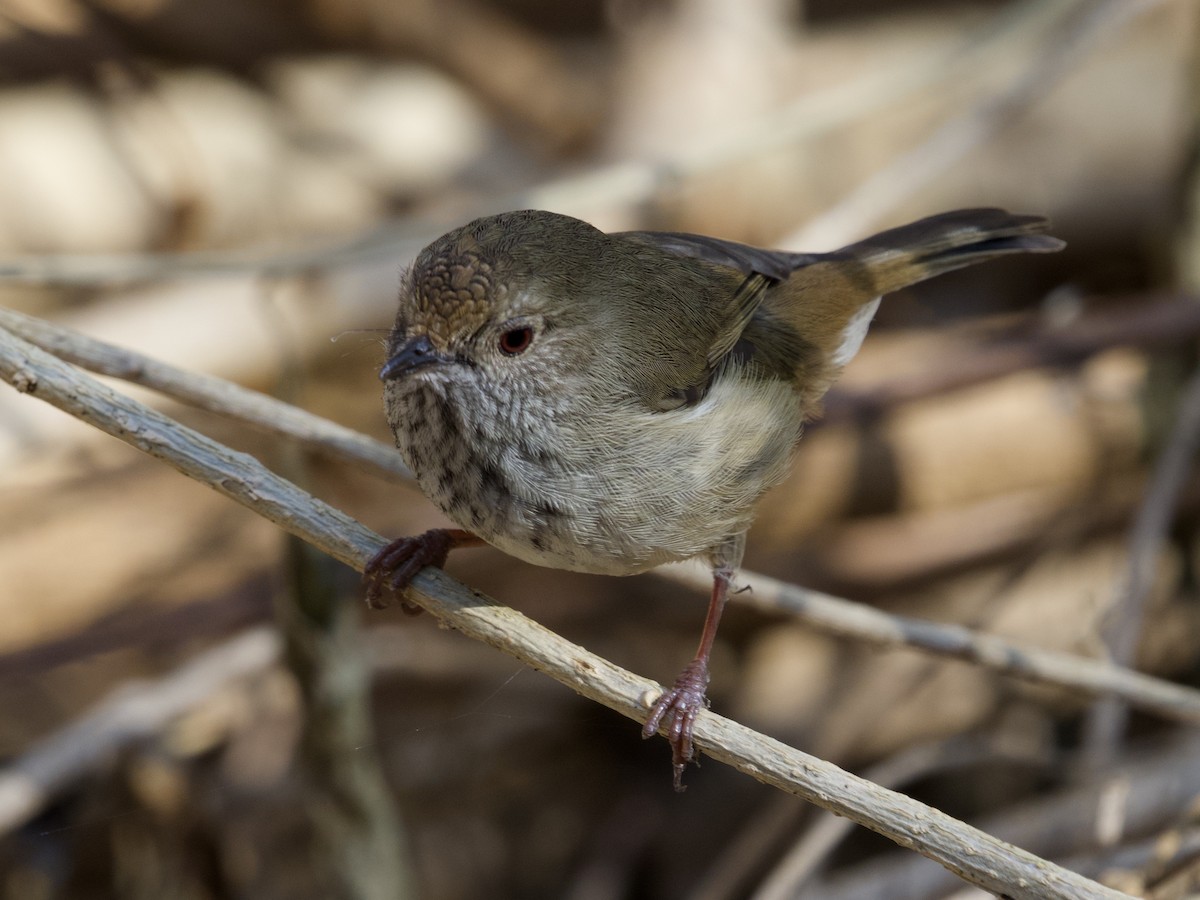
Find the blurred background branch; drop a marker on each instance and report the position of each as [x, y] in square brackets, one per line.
[1066, 30]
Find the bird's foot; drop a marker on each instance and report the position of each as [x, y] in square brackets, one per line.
[394, 567]
[677, 709]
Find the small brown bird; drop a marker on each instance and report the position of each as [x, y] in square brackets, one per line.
[610, 402]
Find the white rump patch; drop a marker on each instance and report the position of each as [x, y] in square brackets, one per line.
[854, 332]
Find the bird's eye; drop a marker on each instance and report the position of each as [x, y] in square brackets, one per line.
[516, 340]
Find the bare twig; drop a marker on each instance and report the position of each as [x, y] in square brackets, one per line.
[832, 615]
[1151, 320]
[805, 857]
[357, 823]
[825, 613]
[1106, 725]
[619, 184]
[137, 711]
[973, 855]
[742, 859]
[907, 175]
[821, 112]
[394, 239]
[1160, 781]
[1147, 539]
[207, 392]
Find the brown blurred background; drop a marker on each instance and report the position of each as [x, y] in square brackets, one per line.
[233, 186]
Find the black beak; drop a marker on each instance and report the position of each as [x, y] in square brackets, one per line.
[416, 354]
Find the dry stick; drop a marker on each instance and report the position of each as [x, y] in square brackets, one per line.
[795, 868]
[1163, 867]
[1159, 783]
[808, 117]
[741, 861]
[610, 186]
[972, 855]
[137, 711]
[207, 392]
[831, 615]
[1146, 320]
[1107, 722]
[357, 826]
[1143, 320]
[1147, 538]
[908, 174]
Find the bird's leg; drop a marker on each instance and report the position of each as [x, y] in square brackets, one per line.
[678, 707]
[397, 564]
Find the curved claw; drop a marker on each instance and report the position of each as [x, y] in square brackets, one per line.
[395, 566]
[678, 708]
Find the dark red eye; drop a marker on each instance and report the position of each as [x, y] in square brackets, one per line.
[516, 340]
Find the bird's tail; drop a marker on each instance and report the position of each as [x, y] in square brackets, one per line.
[830, 299]
[902, 256]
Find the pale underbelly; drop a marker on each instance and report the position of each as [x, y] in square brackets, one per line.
[615, 499]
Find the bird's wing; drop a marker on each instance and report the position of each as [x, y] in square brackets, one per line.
[737, 280]
[776, 265]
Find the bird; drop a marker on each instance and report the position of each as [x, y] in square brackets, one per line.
[610, 402]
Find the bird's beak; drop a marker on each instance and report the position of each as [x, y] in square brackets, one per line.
[416, 354]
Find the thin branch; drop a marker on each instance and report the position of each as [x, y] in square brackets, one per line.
[1143, 320]
[208, 392]
[1158, 784]
[1151, 320]
[909, 173]
[357, 825]
[1147, 539]
[831, 615]
[801, 863]
[622, 183]
[974, 856]
[396, 239]
[137, 711]
[818, 113]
